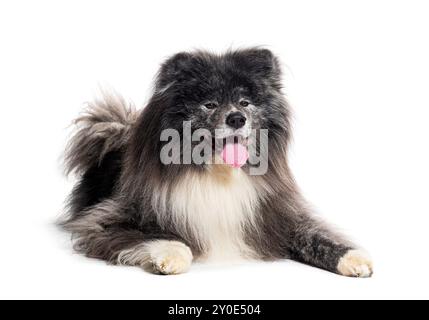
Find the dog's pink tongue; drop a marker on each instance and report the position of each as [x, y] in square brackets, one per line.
[234, 154]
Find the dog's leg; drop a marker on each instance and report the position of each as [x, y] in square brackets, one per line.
[317, 245]
[104, 232]
[289, 230]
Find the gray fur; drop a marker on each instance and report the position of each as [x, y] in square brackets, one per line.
[103, 126]
[119, 147]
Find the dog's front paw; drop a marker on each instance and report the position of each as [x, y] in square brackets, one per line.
[355, 263]
[170, 257]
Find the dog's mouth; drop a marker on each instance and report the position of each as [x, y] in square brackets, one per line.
[232, 150]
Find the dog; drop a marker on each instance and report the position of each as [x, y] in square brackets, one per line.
[142, 201]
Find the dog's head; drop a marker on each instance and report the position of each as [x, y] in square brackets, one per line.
[228, 96]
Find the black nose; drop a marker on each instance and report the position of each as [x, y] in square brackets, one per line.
[236, 120]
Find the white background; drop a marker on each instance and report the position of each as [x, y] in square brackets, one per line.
[356, 74]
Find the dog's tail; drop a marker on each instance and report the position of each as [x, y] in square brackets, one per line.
[104, 126]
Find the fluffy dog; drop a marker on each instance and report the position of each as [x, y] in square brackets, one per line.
[131, 208]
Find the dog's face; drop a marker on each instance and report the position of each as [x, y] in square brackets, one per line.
[229, 95]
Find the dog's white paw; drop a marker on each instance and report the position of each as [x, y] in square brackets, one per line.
[159, 256]
[355, 263]
[169, 257]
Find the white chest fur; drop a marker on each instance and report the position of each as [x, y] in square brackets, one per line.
[213, 208]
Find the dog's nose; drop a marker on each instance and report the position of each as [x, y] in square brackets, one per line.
[236, 120]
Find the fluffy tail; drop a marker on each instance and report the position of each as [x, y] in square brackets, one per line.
[103, 127]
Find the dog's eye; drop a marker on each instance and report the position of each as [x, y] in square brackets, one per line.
[244, 103]
[210, 105]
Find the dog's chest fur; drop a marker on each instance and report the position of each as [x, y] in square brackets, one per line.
[214, 208]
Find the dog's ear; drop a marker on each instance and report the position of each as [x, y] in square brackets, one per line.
[260, 62]
[172, 69]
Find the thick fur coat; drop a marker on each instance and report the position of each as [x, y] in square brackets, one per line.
[130, 208]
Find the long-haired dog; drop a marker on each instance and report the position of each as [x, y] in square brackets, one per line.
[132, 208]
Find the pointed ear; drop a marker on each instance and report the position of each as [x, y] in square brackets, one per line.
[260, 62]
[172, 68]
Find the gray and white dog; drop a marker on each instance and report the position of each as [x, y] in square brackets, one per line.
[131, 208]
